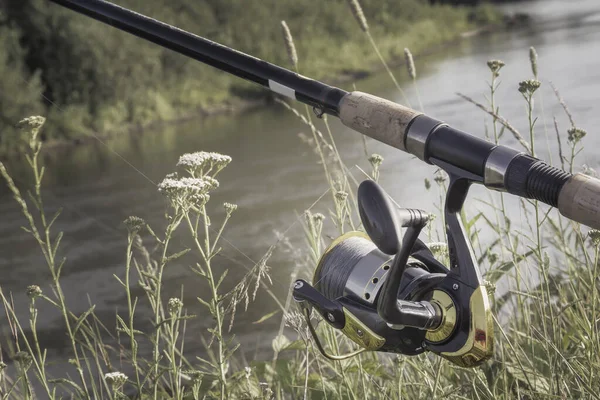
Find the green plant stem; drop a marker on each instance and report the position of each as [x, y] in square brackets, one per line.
[173, 351]
[157, 299]
[41, 361]
[387, 68]
[215, 301]
[49, 254]
[130, 308]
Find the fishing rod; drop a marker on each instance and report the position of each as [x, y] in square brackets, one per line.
[384, 289]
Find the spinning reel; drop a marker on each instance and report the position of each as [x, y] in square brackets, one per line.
[386, 291]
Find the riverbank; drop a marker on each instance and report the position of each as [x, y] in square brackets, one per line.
[134, 97]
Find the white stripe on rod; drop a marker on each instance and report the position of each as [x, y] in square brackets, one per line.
[282, 90]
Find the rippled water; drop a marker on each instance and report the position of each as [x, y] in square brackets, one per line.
[274, 176]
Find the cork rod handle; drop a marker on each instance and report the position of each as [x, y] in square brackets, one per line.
[579, 200]
[380, 119]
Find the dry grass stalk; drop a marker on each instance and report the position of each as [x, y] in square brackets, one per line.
[500, 119]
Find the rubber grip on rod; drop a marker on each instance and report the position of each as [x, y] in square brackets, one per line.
[380, 119]
[579, 200]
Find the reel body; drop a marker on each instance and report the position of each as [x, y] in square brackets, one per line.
[387, 292]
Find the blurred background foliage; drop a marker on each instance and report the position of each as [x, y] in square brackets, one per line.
[86, 77]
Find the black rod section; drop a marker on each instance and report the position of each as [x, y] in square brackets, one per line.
[277, 79]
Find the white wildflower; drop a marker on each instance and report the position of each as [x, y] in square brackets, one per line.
[174, 305]
[134, 224]
[202, 163]
[341, 196]
[115, 379]
[187, 192]
[438, 248]
[33, 291]
[230, 208]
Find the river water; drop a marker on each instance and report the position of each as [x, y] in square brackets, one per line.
[274, 176]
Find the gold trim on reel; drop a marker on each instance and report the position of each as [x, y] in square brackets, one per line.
[480, 343]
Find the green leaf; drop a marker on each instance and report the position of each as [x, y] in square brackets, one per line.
[56, 215]
[60, 266]
[63, 381]
[82, 318]
[279, 343]
[494, 275]
[529, 377]
[223, 275]
[295, 345]
[265, 317]
[204, 303]
[176, 255]
[487, 251]
[473, 221]
[119, 280]
[149, 276]
[123, 325]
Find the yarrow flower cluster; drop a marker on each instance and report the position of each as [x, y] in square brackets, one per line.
[230, 208]
[495, 66]
[202, 163]
[187, 192]
[594, 236]
[24, 359]
[318, 217]
[116, 379]
[134, 224]
[33, 291]
[375, 160]
[529, 86]
[576, 134]
[438, 248]
[195, 375]
[439, 177]
[341, 196]
[314, 223]
[174, 305]
[32, 125]
[490, 288]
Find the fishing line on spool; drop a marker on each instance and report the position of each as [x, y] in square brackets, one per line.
[337, 265]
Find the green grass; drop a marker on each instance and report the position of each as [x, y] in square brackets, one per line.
[546, 323]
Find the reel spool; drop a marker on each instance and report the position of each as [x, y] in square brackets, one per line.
[386, 291]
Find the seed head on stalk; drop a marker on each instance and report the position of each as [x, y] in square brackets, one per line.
[289, 44]
[358, 13]
[533, 59]
[410, 64]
